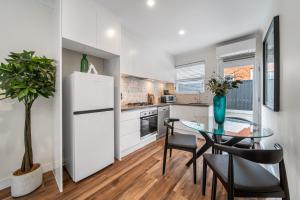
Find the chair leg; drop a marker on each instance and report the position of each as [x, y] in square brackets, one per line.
[230, 197]
[230, 193]
[195, 166]
[170, 152]
[287, 196]
[253, 145]
[204, 177]
[214, 187]
[164, 160]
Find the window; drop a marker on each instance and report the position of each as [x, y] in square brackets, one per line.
[190, 78]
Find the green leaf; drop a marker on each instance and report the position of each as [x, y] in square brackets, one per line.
[26, 76]
[23, 93]
[32, 90]
[19, 87]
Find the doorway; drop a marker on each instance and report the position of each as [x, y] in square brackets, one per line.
[241, 101]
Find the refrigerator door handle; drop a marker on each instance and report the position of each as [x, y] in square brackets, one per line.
[92, 111]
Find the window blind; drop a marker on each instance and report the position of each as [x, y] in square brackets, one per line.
[190, 77]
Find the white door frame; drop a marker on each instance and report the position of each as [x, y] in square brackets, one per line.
[256, 85]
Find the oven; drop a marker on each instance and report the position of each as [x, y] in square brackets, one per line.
[148, 122]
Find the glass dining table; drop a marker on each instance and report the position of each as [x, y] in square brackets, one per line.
[234, 130]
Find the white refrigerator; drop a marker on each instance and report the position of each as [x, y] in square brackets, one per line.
[88, 123]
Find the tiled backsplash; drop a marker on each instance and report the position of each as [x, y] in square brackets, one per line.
[194, 98]
[136, 89]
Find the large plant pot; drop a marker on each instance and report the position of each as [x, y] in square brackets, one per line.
[26, 183]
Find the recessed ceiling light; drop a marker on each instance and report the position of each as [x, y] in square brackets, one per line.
[181, 32]
[110, 33]
[150, 3]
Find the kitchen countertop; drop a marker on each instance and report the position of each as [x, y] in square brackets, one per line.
[128, 108]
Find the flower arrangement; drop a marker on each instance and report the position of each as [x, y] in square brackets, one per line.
[220, 85]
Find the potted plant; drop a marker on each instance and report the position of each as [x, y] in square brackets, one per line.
[220, 86]
[26, 77]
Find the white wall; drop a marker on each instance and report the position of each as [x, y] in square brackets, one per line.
[208, 55]
[57, 159]
[112, 68]
[71, 62]
[285, 123]
[26, 24]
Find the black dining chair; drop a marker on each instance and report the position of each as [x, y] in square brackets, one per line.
[184, 142]
[242, 174]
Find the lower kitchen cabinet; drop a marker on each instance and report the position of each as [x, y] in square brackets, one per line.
[129, 132]
[128, 127]
[130, 138]
[189, 113]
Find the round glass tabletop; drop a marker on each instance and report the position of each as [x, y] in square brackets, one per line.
[233, 127]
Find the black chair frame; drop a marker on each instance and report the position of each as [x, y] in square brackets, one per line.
[169, 123]
[274, 156]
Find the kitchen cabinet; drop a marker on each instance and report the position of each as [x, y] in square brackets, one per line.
[190, 113]
[129, 132]
[87, 22]
[79, 21]
[108, 32]
[128, 115]
[130, 126]
[141, 59]
[129, 137]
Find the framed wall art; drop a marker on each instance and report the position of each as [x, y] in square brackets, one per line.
[271, 67]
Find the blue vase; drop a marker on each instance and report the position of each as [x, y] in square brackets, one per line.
[219, 111]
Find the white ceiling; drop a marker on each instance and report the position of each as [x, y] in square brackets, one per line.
[206, 22]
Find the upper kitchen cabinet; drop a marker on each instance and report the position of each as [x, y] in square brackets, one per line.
[131, 55]
[108, 32]
[139, 58]
[79, 21]
[87, 23]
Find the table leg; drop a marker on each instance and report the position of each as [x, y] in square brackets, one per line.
[201, 151]
[218, 140]
[232, 141]
[208, 143]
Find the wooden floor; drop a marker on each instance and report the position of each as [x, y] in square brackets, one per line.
[137, 176]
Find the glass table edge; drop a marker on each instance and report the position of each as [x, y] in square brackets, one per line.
[271, 133]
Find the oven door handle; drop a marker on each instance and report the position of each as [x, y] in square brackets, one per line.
[145, 118]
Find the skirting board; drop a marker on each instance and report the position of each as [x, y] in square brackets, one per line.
[5, 182]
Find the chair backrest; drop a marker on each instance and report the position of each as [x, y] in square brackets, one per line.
[240, 120]
[169, 123]
[272, 156]
[269, 156]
